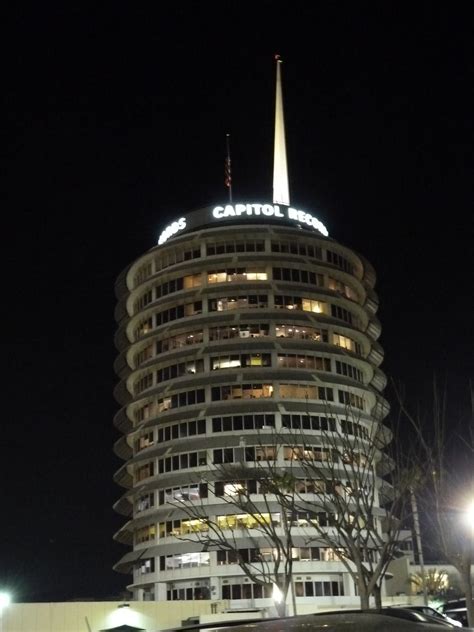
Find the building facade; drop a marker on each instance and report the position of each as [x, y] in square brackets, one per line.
[245, 321]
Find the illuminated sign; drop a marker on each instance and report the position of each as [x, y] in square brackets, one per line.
[204, 216]
[269, 210]
[172, 229]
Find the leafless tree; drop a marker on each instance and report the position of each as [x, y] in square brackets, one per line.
[251, 498]
[359, 482]
[447, 489]
[348, 494]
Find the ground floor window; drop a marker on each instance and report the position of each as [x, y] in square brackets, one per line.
[188, 593]
[319, 589]
[246, 591]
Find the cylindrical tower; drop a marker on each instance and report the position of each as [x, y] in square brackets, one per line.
[245, 319]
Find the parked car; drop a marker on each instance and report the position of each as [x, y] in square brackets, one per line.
[339, 621]
[408, 614]
[435, 613]
[456, 609]
[413, 615]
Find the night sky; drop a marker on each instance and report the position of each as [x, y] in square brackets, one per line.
[114, 124]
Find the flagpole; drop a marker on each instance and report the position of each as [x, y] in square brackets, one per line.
[228, 171]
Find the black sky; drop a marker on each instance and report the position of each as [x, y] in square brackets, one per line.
[114, 123]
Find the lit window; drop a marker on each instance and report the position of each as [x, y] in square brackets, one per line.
[233, 489]
[313, 306]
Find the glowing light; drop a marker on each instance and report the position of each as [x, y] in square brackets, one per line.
[172, 229]
[248, 210]
[277, 595]
[269, 210]
[5, 600]
[470, 515]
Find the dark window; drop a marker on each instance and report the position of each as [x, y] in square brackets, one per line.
[236, 591]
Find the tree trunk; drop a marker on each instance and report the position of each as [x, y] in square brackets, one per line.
[281, 608]
[363, 595]
[466, 585]
[293, 597]
[377, 592]
[280, 596]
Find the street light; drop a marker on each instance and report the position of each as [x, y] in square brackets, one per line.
[470, 515]
[470, 522]
[4, 602]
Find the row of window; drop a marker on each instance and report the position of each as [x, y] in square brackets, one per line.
[183, 493]
[191, 593]
[144, 471]
[247, 331]
[240, 275]
[197, 491]
[251, 301]
[189, 367]
[308, 422]
[303, 361]
[143, 273]
[179, 341]
[297, 275]
[246, 591]
[235, 423]
[353, 428]
[266, 453]
[245, 361]
[343, 368]
[172, 256]
[351, 399]
[319, 589]
[295, 519]
[177, 312]
[298, 554]
[181, 430]
[237, 275]
[247, 391]
[227, 303]
[249, 454]
[242, 360]
[257, 391]
[297, 248]
[168, 287]
[304, 276]
[184, 560]
[177, 528]
[338, 260]
[249, 591]
[231, 245]
[178, 400]
[144, 502]
[182, 461]
[342, 288]
[256, 421]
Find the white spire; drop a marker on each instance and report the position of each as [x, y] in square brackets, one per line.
[281, 193]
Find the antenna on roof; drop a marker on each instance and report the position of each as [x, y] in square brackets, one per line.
[281, 193]
[228, 170]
